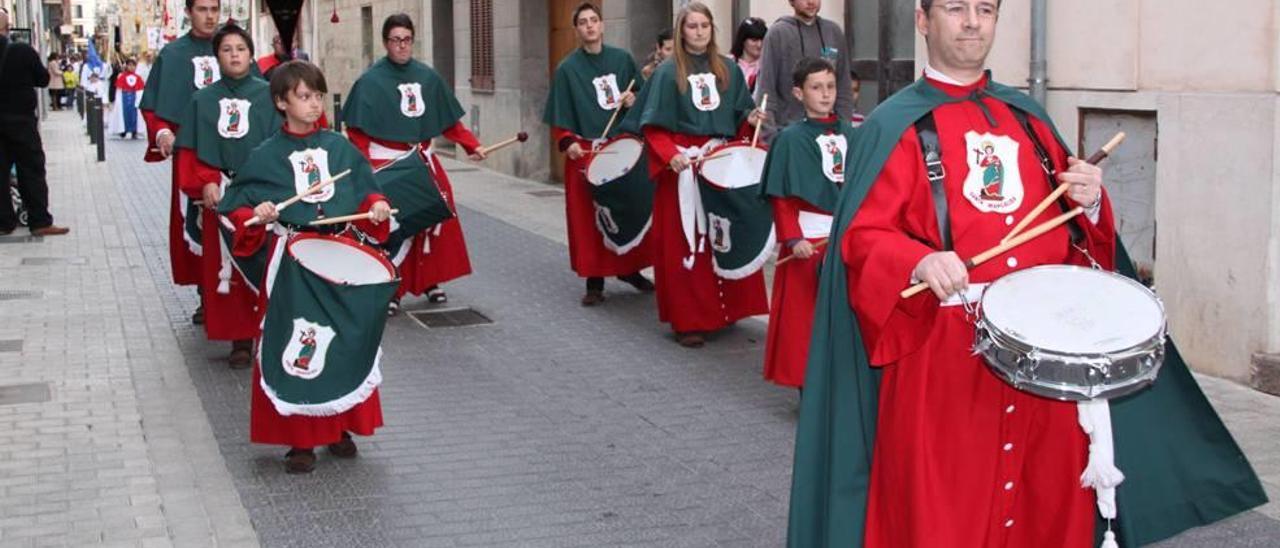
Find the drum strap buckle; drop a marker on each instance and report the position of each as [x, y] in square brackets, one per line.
[971, 309]
[1086, 254]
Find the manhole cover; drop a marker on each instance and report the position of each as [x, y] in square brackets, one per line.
[546, 193]
[16, 294]
[452, 317]
[24, 393]
[17, 239]
[14, 345]
[45, 261]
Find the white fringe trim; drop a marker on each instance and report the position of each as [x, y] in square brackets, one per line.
[627, 247]
[752, 267]
[332, 407]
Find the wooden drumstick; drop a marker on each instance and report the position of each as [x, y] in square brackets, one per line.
[346, 218]
[1005, 246]
[816, 245]
[764, 107]
[1098, 156]
[613, 118]
[309, 191]
[519, 138]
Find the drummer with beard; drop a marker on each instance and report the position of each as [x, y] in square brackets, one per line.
[694, 100]
[803, 175]
[905, 437]
[299, 155]
[398, 103]
[589, 86]
[221, 125]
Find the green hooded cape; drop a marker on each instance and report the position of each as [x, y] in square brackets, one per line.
[661, 104]
[572, 103]
[794, 164]
[1182, 468]
[268, 175]
[376, 102]
[198, 127]
[172, 80]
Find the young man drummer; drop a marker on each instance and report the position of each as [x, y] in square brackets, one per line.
[279, 168]
[588, 88]
[221, 125]
[930, 448]
[802, 178]
[399, 103]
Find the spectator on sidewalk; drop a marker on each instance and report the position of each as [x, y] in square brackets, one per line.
[747, 43]
[56, 84]
[661, 51]
[129, 84]
[789, 40]
[21, 71]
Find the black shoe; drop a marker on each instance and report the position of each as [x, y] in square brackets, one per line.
[197, 317]
[345, 449]
[638, 281]
[435, 295]
[393, 307]
[122, 134]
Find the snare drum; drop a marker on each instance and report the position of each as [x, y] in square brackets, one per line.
[1071, 333]
[622, 193]
[739, 221]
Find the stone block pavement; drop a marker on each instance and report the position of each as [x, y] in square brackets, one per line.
[553, 426]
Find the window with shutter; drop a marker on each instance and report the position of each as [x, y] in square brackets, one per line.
[482, 45]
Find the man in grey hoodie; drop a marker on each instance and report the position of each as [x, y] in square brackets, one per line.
[789, 40]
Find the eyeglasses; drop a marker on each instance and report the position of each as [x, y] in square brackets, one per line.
[985, 10]
[407, 41]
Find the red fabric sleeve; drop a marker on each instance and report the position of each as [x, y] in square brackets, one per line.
[246, 240]
[661, 142]
[459, 133]
[882, 246]
[194, 174]
[154, 125]
[360, 140]
[564, 139]
[379, 231]
[746, 131]
[786, 218]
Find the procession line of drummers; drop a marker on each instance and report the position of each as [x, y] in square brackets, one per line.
[301, 240]
[669, 177]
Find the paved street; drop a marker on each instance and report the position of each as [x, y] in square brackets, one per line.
[554, 425]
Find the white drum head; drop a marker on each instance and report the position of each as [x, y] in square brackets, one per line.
[614, 160]
[734, 166]
[340, 262]
[1073, 310]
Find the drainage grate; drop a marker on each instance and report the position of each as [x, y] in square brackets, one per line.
[546, 193]
[24, 393]
[12, 345]
[451, 317]
[17, 294]
[45, 261]
[16, 239]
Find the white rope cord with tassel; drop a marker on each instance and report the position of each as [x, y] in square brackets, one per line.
[693, 219]
[1101, 473]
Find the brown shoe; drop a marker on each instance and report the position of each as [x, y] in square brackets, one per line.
[299, 461]
[50, 231]
[691, 339]
[241, 354]
[345, 449]
[197, 317]
[593, 297]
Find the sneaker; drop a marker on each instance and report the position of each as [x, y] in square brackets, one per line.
[691, 339]
[592, 297]
[299, 461]
[393, 307]
[345, 449]
[50, 230]
[638, 281]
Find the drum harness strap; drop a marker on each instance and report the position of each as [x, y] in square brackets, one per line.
[1101, 473]
[693, 219]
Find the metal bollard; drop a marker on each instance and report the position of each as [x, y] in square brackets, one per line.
[100, 128]
[91, 104]
[337, 112]
[78, 95]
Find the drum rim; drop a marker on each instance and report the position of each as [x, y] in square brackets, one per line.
[586, 170]
[377, 255]
[1154, 340]
[721, 148]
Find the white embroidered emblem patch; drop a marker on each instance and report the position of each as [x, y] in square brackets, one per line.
[411, 100]
[233, 118]
[607, 94]
[311, 166]
[994, 183]
[205, 70]
[703, 91]
[833, 149]
[304, 357]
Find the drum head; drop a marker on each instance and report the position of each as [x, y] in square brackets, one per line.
[614, 159]
[1073, 310]
[341, 261]
[734, 166]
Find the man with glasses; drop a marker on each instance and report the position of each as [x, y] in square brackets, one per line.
[905, 438]
[397, 104]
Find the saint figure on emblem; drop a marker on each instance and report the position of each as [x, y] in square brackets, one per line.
[308, 340]
[311, 169]
[992, 172]
[704, 93]
[233, 118]
[837, 157]
[206, 72]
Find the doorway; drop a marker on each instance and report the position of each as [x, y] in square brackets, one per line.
[561, 41]
[1131, 178]
[884, 49]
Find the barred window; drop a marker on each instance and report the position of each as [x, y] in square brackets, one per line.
[482, 45]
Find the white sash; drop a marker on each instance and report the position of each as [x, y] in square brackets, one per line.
[815, 225]
[693, 219]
